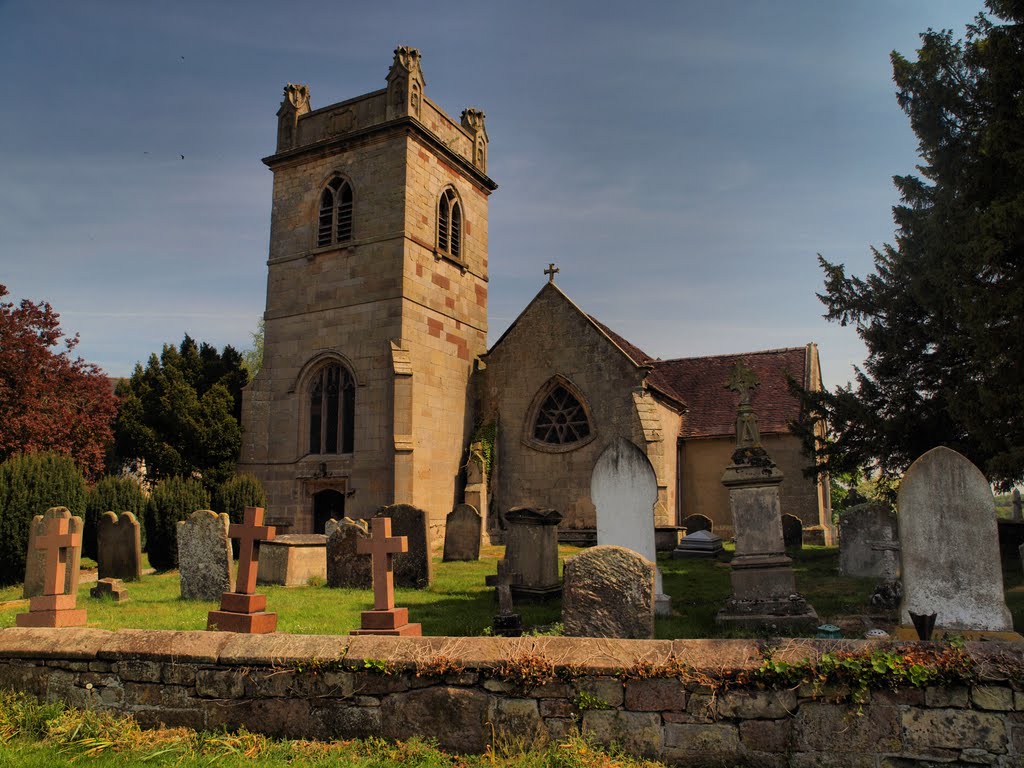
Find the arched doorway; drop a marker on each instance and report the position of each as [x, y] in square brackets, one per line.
[327, 504]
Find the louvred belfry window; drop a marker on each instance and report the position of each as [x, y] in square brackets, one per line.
[561, 419]
[449, 224]
[334, 224]
[332, 405]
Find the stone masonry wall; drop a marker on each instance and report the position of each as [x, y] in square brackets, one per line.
[471, 692]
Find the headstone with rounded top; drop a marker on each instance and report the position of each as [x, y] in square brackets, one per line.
[462, 532]
[412, 568]
[950, 546]
[345, 566]
[792, 532]
[119, 547]
[624, 489]
[695, 523]
[204, 556]
[608, 592]
[35, 562]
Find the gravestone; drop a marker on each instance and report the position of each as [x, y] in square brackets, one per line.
[110, 589]
[204, 556]
[35, 562]
[331, 525]
[699, 544]
[792, 532]
[345, 566]
[868, 542]
[531, 548]
[507, 622]
[119, 547]
[624, 488]
[463, 528]
[412, 567]
[54, 607]
[294, 560]
[695, 523]
[763, 583]
[385, 618]
[608, 592]
[950, 548]
[242, 609]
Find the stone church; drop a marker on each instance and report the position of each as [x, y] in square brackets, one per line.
[376, 374]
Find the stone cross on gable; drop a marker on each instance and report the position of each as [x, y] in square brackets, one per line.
[56, 542]
[250, 532]
[382, 546]
[551, 271]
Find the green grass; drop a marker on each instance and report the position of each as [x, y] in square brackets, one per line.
[458, 603]
[36, 735]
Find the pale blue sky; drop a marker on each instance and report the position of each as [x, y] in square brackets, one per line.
[681, 162]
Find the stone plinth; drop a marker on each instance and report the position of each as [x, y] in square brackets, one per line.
[531, 547]
[763, 582]
[393, 621]
[292, 560]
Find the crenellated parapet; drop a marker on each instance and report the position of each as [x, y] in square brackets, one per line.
[294, 105]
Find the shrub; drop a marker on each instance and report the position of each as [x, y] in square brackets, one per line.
[239, 492]
[172, 500]
[117, 494]
[29, 485]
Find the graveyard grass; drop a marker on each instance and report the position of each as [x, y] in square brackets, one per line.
[459, 604]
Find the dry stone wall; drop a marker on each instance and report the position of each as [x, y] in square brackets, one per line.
[466, 692]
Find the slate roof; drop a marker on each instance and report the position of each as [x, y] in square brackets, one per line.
[700, 382]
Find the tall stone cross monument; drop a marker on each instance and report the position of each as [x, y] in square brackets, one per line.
[763, 583]
[54, 608]
[243, 610]
[384, 619]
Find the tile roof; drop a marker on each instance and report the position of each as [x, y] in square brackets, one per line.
[637, 355]
[700, 382]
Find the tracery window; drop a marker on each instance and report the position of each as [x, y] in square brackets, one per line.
[449, 224]
[332, 407]
[561, 418]
[334, 224]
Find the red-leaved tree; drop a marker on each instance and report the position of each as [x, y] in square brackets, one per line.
[49, 400]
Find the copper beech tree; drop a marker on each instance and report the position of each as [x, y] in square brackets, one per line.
[49, 399]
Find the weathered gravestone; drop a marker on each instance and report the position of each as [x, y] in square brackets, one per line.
[412, 567]
[204, 556]
[695, 523]
[463, 528]
[345, 566]
[868, 542]
[35, 563]
[110, 589]
[531, 548]
[792, 532]
[624, 488]
[119, 547]
[950, 546]
[608, 592]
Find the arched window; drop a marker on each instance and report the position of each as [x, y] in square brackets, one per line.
[332, 408]
[559, 418]
[334, 224]
[449, 224]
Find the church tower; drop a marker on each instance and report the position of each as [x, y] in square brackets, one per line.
[376, 304]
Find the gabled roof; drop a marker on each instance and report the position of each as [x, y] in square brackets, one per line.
[712, 408]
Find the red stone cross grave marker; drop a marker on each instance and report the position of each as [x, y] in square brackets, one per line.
[384, 619]
[53, 608]
[243, 610]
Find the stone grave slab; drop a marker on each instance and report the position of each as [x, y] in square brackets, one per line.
[119, 547]
[701, 543]
[412, 567]
[624, 489]
[463, 529]
[950, 548]
[204, 556]
[531, 548]
[792, 532]
[35, 563]
[869, 542]
[608, 592]
[293, 560]
[345, 566]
